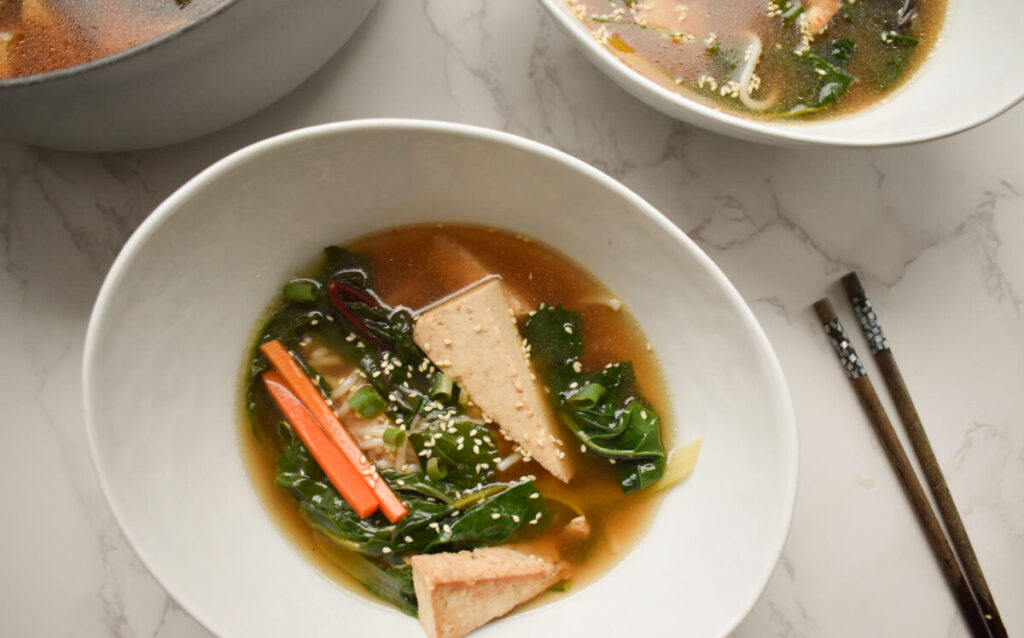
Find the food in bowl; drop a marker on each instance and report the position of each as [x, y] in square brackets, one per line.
[458, 419]
[37, 36]
[770, 59]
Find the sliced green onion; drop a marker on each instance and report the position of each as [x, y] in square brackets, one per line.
[792, 10]
[299, 291]
[436, 469]
[587, 396]
[366, 402]
[442, 387]
[393, 438]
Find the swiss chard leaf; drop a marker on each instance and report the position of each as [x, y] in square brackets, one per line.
[390, 582]
[494, 520]
[467, 450]
[434, 519]
[614, 423]
[833, 83]
[841, 51]
[555, 336]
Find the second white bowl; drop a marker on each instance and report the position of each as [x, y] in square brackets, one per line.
[971, 77]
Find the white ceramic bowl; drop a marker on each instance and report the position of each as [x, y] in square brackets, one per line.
[173, 321]
[972, 76]
[225, 65]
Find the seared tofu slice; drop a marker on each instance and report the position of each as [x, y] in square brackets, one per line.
[473, 337]
[458, 592]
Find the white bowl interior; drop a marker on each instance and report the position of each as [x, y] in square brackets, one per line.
[172, 324]
[971, 76]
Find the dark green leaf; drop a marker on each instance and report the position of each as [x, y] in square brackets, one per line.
[433, 519]
[614, 422]
[495, 519]
[638, 475]
[841, 51]
[466, 449]
[555, 336]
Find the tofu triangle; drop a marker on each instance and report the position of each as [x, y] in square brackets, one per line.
[458, 592]
[473, 337]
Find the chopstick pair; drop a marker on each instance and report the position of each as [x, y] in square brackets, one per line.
[968, 584]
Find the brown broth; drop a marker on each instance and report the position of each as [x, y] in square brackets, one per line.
[537, 273]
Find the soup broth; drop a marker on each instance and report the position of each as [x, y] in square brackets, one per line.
[417, 266]
[770, 59]
[37, 36]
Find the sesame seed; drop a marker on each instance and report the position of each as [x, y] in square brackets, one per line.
[495, 516]
[408, 539]
[386, 550]
[515, 519]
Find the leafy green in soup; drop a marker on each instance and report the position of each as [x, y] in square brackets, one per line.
[346, 340]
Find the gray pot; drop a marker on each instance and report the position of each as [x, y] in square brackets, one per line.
[222, 67]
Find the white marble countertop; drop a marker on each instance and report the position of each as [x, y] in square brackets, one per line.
[936, 230]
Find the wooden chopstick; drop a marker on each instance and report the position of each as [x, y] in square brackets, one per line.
[879, 347]
[904, 471]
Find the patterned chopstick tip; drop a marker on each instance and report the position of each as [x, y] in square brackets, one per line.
[865, 314]
[869, 324]
[840, 342]
[847, 355]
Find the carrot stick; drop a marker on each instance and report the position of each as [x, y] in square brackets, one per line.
[343, 476]
[303, 388]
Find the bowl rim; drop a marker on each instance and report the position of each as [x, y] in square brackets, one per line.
[96, 64]
[754, 129]
[152, 224]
